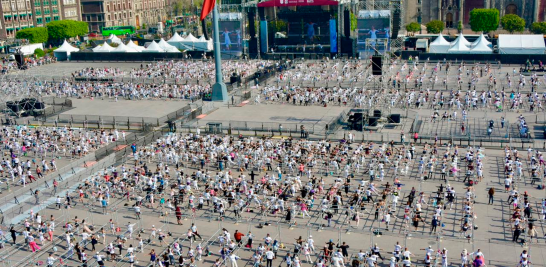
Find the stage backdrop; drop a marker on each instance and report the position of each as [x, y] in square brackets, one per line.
[263, 36]
[231, 32]
[373, 24]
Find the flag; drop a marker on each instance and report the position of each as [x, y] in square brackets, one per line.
[208, 5]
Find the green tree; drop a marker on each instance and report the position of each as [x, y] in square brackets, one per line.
[413, 27]
[435, 26]
[354, 22]
[538, 27]
[33, 35]
[513, 23]
[460, 26]
[64, 29]
[38, 52]
[484, 20]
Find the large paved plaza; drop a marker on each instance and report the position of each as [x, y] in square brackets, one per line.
[264, 177]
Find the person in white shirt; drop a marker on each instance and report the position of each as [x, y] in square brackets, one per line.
[269, 256]
[233, 259]
[51, 260]
[338, 261]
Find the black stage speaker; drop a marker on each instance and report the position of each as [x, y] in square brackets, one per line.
[394, 118]
[372, 121]
[261, 13]
[377, 113]
[348, 46]
[346, 23]
[251, 23]
[20, 59]
[377, 65]
[358, 121]
[253, 47]
[395, 23]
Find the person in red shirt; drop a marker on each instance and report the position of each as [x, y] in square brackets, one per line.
[238, 236]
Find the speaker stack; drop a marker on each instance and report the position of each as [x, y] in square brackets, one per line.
[20, 59]
[395, 23]
[377, 65]
[394, 118]
[372, 121]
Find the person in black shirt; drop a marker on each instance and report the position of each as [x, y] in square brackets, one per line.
[344, 248]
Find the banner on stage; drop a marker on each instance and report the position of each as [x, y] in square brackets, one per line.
[263, 36]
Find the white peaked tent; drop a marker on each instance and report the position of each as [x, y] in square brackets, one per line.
[190, 38]
[114, 39]
[105, 47]
[530, 44]
[124, 49]
[172, 49]
[458, 47]
[176, 38]
[440, 45]
[460, 39]
[481, 47]
[154, 48]
[481, 39]
[63, 52]
[164, 45]
[134, 46]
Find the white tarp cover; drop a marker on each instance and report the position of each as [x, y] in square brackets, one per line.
[125, 49]
[132, 45]
[29, 49]
[459, 47]
[480, 39]
[461, 39]
[154, 47]
[481, 47]
[172, 49]
[530, 44]
[176, 38]
[105, 47]
[439, 45]
[193, 44]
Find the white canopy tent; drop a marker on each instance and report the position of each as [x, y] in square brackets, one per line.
[481, 39]
[460, 39]
[164, 45]
[481, 47]
[114, 39]
[63, 52]
[124, 49]
[439, 45]
[530, 44]
[190, 38]
[154, 48]
[132, 45]
[105, 47]
[459, 47]
[176, 38]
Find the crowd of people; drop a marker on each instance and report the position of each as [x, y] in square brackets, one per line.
[420, 86]
[98, 72]
[283, 179]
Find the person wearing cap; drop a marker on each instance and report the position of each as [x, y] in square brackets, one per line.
[444, 257]
[50, 260]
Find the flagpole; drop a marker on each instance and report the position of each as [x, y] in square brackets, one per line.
[219, 90]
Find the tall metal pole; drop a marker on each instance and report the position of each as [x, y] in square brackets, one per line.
[219, 90]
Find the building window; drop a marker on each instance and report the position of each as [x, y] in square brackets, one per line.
[115, 16]
[38, 12]
[46, 2]
[109, 18]
[47, 19]
[36, 3]
[39, 20]
[54, 2]
[108, 7]
[56, 18]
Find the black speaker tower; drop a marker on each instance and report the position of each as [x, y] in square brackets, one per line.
[377, 65]
[395, 23]
[347, 23]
